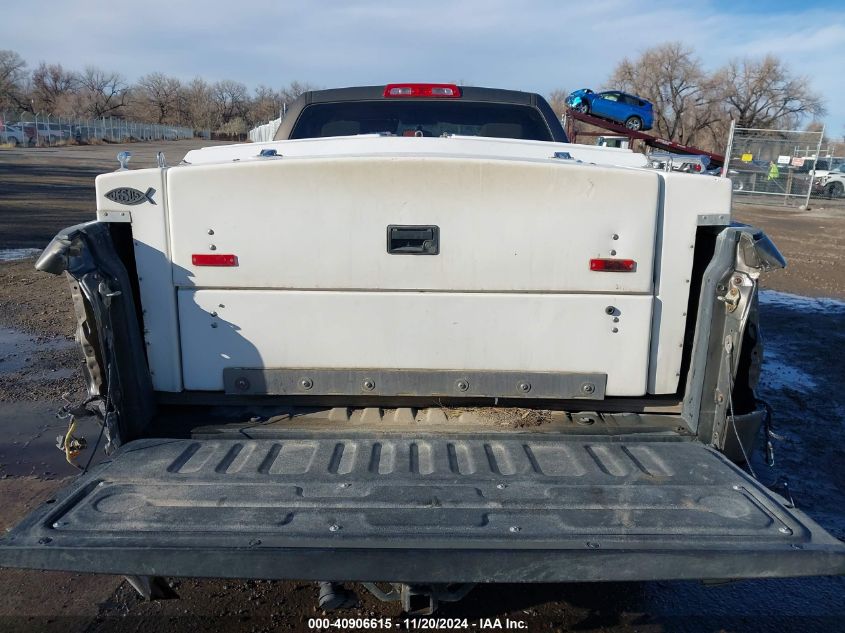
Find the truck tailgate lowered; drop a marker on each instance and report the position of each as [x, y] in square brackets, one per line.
[474, 508]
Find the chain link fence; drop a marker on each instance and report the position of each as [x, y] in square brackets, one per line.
[39, 130]
[773, 166]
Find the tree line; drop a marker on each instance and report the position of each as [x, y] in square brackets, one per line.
[691, 105]
[226, 106]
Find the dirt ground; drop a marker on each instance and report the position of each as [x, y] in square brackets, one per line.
[46, 189]
[42, 191]
[813, 242]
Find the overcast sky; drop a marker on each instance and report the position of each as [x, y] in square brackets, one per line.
[536, 45]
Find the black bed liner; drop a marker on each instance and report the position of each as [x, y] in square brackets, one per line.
[422, 509]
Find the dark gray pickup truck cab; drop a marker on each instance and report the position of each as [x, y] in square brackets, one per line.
[423, 348]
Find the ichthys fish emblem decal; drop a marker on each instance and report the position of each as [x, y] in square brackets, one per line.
[130, 196]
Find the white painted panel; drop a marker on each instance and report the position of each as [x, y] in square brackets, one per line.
[373, 144]
[152, 258]
[505, 225]
[686, 196]
[414, 330]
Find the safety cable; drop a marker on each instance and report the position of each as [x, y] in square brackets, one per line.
[108, 390]
[729, 359]
[70, 445]
[103, 424]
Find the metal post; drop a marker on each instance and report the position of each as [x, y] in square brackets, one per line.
[789, 180]
[729, 149]
[813, 171]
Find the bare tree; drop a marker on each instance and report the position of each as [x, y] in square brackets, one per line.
[52, 88]
[671, 77]
[157, 97]
[763, 93]
[198, 103]
[101, 93]
[557, 99]
[234, 128]
[231, 100]
[817, 127]
[269, 104]
[12, 80]
[295, 88]
[266, 105]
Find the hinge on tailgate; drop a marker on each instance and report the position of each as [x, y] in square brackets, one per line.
[739, 288]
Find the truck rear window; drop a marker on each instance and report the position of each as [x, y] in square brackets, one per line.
[426, 118]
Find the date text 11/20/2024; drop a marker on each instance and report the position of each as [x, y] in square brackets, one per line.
[418, 624]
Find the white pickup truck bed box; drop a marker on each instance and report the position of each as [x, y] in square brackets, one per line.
[510, 289]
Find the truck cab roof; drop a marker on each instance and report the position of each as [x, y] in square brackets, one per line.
[497, 113]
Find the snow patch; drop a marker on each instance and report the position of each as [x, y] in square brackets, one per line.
[778, 374]
[14, 254]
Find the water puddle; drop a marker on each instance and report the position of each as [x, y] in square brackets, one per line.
[15, 254]
[18, 350]
[28, 442]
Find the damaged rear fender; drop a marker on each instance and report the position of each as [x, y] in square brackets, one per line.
[108, 329]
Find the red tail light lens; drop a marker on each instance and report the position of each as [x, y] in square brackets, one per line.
[214, 260]
[613, 265]
[441, 91]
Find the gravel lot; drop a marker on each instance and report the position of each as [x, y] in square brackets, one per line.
[42, 191]
[813, 242]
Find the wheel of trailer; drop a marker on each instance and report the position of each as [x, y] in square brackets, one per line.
[12, 141]
[583, 107]
[835, 190]
[634, 123]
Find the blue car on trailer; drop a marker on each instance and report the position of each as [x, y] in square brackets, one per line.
[634, 112]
